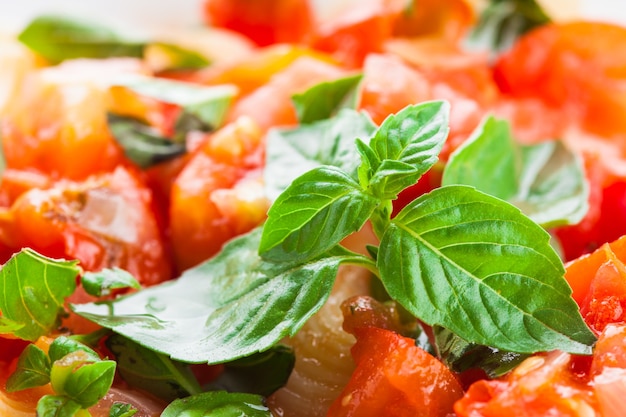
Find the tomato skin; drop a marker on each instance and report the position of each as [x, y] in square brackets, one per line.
[264, 21]
[394, 377]
[218, 194]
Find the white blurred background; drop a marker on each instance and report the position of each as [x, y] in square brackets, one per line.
[157, 16]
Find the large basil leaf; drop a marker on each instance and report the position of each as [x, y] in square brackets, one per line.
[292, 152]
[34, 289]
[405, 146]
[227, 308]
[472, 263]
[316, 212]
[546, 181]
[323, 100]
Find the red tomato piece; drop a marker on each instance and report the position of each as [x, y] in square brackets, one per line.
[105, 221]
[394, 377]
[608, 370]
[541, 386]
[218, 194]
[264, 21]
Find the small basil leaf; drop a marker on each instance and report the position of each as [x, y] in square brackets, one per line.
[503, 21]
[141, 143]
[63, 346]
[292, 152]
[166, 56]
[323, 100]
[546, 181]
[262, 373]
[218, 404]
[122, 410]
[59, 38]
[460, 355]
[413, 137]
[89, 383]
[467, 261]
[33, 370]
[35, 288]
[101, 283]
[316, 212]
[151, 371]
[207, 105]
[57, 406]
[229, 307]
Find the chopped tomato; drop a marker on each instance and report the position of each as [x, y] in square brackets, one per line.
[541, 386]
[608, 370]
[394, 377]
[67, 136]
[264, 21]
[271, 105]
[219, 193]
[105, 221]
[448, 19]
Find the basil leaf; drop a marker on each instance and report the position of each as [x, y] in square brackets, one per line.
[546, 181]
[503, 21]
[407, 144]
[205, 106]
[292, 152]
[35, 288]
[88, 383]
[8, 326]
[151, 371]
[63, 346]
[469, 262]
[141, 143]
[58, 38]
[166, 56]
[57, 406]
[122, 410]
[316, 212]
[262, 373]
[101, 283]
[227, 308]
[33, 370]
[460, 355]
[323, 100]
[218, 404]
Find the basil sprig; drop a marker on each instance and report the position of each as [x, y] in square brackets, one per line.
[456, 257]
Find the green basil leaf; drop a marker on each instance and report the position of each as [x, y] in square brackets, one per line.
[142, 144]
[89, 383]
[58, 38]
[151, 371]
[292, 152]
[205, 105]
[33, 370]
[57, 406]
[218, 404]
[162, 56]
[461, 355]
[503, 21]
[411, 138]
[227, 308]
[63, 346]
[262, 373]
[546, 181]
[323, 100]
[467, 261]
[122, 410]
[316, 212]
[35, 288]
[101, 283]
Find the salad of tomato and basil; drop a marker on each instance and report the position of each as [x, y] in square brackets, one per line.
[175, 211]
